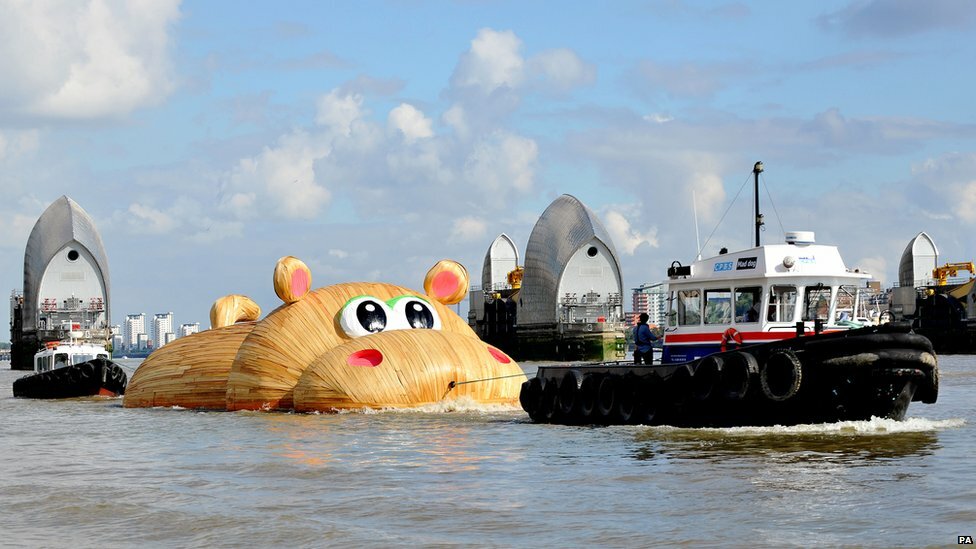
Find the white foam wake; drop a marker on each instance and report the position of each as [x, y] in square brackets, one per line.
[873, 426]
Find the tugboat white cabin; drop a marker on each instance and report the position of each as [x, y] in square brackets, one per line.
[758, 295]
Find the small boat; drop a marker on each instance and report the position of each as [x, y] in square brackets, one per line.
[755, 337]
[68, 369]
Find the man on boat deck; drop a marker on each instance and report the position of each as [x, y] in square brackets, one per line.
[643, 337]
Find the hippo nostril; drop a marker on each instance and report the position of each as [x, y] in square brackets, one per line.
[498, 355]
[366, 357]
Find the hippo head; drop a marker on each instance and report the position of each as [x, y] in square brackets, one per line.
[367, 344]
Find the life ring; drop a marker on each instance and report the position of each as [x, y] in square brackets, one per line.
[731, 335]
[781, 375]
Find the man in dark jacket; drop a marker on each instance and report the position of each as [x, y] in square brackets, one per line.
[643, 337]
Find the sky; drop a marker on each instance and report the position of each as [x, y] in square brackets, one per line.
[371, 139]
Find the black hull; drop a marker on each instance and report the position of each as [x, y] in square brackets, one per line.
[853, 375]
[95, 377]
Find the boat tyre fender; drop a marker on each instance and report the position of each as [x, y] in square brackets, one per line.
[531, 396]
[706, 377]
[550, 399]
[649, 399]
[626, 392]
[606, 398]
[868, 342]
[587, 397]
[928, 390]
[781, 375]
[569, 396]
[737, 372]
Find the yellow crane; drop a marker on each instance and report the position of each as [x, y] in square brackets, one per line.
[942, 274]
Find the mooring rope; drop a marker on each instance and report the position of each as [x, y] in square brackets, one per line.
[454, 384]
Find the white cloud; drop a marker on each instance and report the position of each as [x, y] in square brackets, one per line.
[561, 69]
[15, 228]
[501, 162]
[338, 111]
[279, 181]
[495, 63]
[625, 238]
[409, 121]
[84, 60]
[467, 229]
[876, 266]
[16, 144]
[340, 254]
[146, 219]
[492, 62]
[949, 186]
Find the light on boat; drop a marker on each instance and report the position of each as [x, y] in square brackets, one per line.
[789, 261]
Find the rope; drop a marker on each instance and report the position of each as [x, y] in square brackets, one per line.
[717, 225]
[454, 384]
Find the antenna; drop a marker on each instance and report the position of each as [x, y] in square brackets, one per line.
[694, 206]
[757, 169]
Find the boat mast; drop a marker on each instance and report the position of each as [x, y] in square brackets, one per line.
[756, 170]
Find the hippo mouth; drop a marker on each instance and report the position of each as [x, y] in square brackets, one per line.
[406, 367]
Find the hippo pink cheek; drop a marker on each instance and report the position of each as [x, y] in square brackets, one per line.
[366, 357]
[499, 356]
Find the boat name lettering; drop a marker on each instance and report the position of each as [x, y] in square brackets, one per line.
[807, 259]
[745, 263]
[723, 266]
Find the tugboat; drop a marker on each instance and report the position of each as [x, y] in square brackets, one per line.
[756, 337]
[68, 369]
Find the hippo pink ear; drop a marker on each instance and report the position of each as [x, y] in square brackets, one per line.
[447, 282]
[292, 279]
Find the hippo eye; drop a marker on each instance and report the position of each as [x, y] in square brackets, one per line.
[364, 315]
[414, 313]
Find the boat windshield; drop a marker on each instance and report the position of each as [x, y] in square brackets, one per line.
[81, 357]
[747, 303]
[816, 302]
[60, 359]
[43, 363]
[689, 307]
[718, 306]
[782, 303]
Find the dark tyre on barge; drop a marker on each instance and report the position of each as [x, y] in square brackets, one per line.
[96, 377]
[851, 375]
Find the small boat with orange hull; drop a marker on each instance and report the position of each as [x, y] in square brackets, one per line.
[760, 336]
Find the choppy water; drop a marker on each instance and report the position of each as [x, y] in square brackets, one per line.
[89, 473]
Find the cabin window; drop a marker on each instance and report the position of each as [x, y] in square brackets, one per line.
[689, 307]
[79, 358]
[747, 303]
[816, 302]
[848, 305]
[782, 303]
[60, 360]
[718, 306]
[43, 364]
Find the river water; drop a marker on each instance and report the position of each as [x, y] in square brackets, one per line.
[89, 473]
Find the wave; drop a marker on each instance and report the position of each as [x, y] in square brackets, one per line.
[873, 426]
